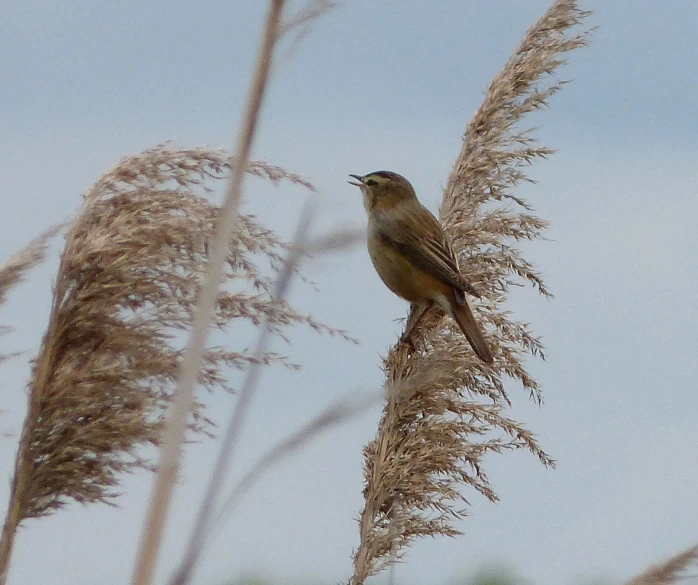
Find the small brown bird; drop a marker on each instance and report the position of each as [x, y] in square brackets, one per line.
[413, 257]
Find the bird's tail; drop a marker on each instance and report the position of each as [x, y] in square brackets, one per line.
[466, 321]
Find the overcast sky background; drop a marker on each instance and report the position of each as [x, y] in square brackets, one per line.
[390, 85]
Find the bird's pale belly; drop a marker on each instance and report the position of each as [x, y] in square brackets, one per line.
[401, 276]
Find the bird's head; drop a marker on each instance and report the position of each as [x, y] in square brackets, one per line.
[383, 189]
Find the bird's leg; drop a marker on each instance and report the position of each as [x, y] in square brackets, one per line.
[416, 313]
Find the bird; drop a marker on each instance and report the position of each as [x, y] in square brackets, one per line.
[414, 257]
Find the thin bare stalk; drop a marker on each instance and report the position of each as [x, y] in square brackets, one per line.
[324, 421]
[206, 519]
[333, 415]
[300, 23]
[234, 427]
[176, 421]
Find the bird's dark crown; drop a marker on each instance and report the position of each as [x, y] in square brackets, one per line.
[382, 178]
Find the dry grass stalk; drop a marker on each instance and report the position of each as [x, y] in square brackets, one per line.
[176, 421]
[126, 288]
[669, 572]
[234, 427]
[298, 25]
[431, 442]
[333, 415]
[210, 513]
[322, 422]
[325, 420]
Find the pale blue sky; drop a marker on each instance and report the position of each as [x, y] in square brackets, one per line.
[391, 84]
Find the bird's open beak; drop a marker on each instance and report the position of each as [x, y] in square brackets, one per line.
[358, 178]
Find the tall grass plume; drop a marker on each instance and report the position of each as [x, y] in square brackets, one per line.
[431, 441]
[126, 287]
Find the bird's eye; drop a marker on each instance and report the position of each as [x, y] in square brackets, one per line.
[371, 182]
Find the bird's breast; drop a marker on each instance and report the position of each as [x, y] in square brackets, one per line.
[400, 275]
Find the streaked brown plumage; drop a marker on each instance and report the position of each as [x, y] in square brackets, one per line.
[413, 256]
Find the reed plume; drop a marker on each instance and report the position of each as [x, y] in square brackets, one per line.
[14, 270]
[431, 440]
[126, 287]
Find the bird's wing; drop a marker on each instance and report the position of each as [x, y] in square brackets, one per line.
[420, 237]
